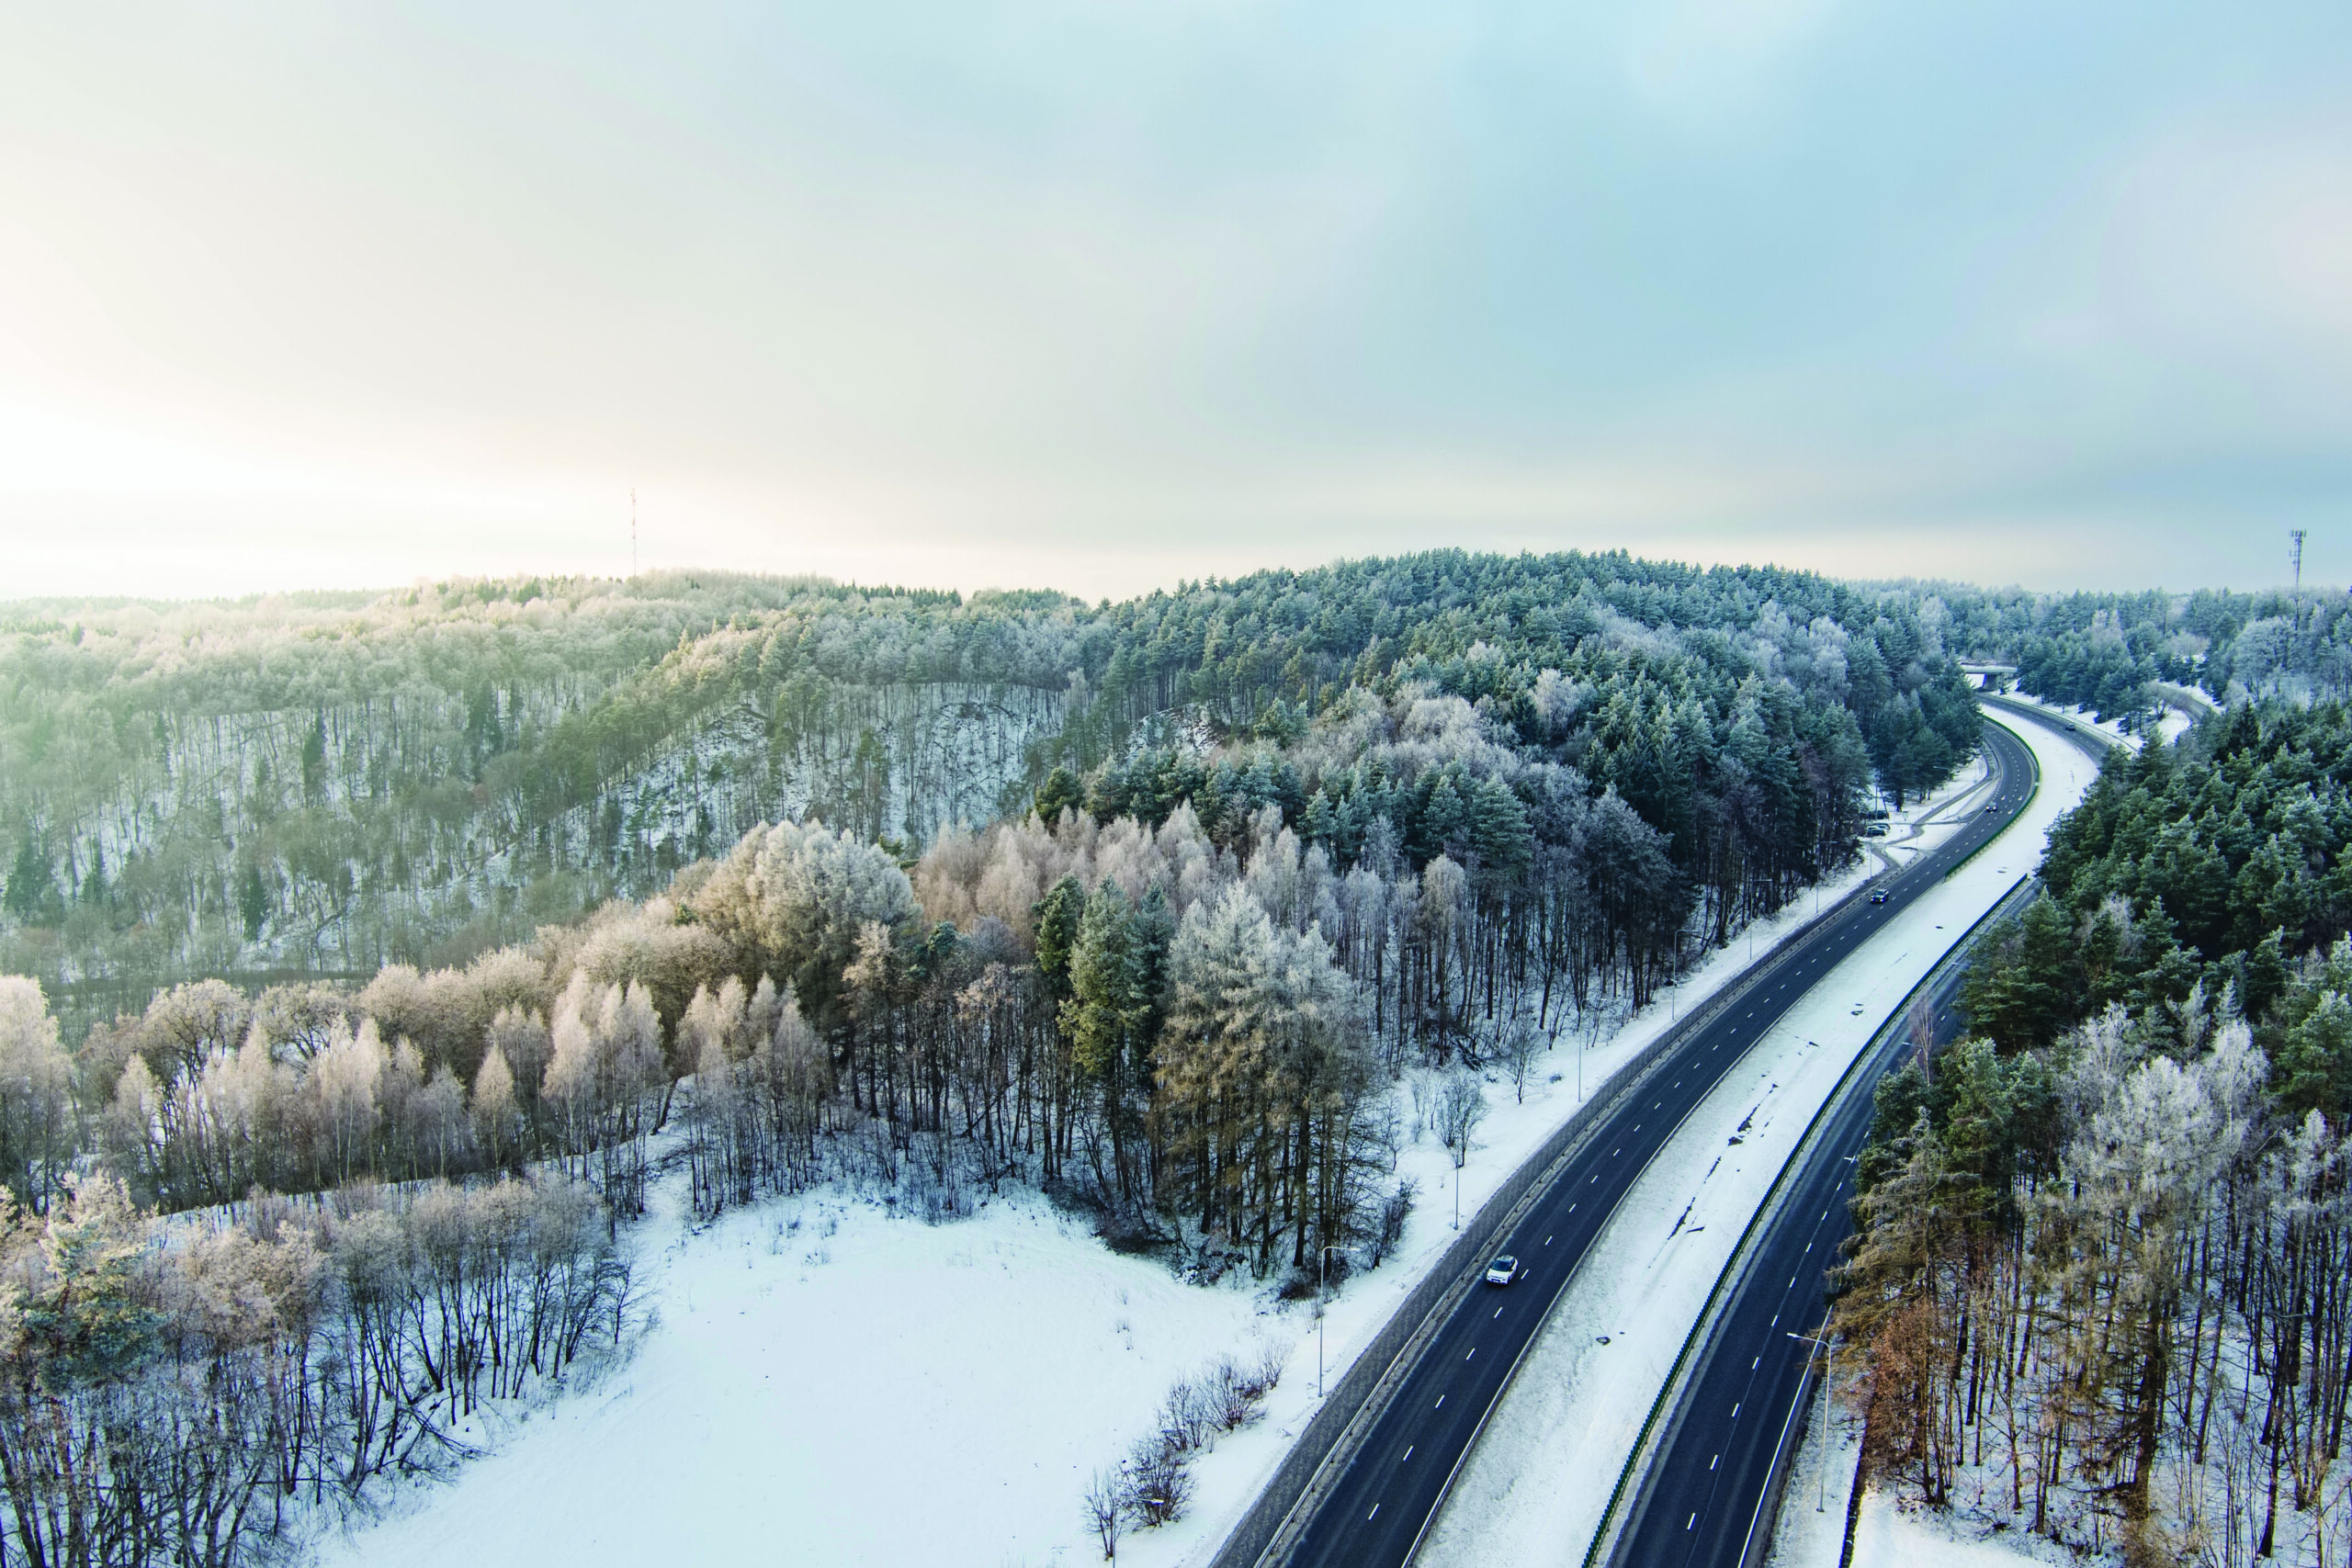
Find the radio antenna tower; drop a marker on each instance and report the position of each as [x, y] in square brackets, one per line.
[632, 540]
[2295, 557]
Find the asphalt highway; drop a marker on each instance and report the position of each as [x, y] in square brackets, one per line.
[1703, 1497]
[1701, 1501]
[1374, 1513]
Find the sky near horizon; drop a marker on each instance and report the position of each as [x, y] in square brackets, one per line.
[1102, 295]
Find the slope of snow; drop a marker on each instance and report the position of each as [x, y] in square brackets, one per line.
[829, 1384]
[2109, 727]
[1578, 1405]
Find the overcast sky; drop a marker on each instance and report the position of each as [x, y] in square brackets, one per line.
[1103, 295]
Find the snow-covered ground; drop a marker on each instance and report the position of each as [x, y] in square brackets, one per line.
[827, 1383]
[2172, 721]
[1577, 1404]
[1811, 1529]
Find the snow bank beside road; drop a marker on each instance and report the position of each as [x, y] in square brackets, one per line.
[1812, 1531]
[1534, 1489]
[2173, 722]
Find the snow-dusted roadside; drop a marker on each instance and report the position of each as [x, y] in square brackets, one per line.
[827, 1383]
[1811, 1529]
[2172, 721]
[1535, 1488]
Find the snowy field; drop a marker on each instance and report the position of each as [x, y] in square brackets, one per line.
[1577, 1404]
[825, 1382]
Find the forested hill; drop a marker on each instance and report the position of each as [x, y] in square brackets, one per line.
[317, 785]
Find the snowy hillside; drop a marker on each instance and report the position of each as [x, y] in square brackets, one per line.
[827, 1383]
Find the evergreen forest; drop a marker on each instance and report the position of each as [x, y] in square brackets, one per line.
[2098, 1289]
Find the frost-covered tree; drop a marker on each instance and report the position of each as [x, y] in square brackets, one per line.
[37, 1132]
[1262, 1073]
[604, 1080]
[793, 899]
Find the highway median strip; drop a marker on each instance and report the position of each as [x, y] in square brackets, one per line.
[1698, 1342]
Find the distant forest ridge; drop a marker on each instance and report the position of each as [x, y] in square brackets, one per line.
[318, 783]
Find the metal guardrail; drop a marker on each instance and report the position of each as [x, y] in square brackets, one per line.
[2094, 741]
[1971, 856]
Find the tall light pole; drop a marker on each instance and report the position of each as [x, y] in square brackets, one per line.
[1821, 1343]
[1322, 1275]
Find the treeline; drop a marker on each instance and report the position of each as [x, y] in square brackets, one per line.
[2216, 860]
[1258, 657]
[323, 785]
[2098, 1285]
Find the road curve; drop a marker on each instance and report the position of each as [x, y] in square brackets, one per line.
[1373, 1510]
[1702, 1502]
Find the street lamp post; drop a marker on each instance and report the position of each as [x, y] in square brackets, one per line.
[1322, 1277]
[1821, 1343]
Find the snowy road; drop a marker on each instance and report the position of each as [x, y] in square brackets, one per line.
[1377, 1502]
[1704, 1497]
[1702, 1494]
